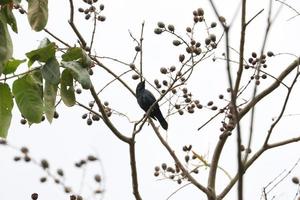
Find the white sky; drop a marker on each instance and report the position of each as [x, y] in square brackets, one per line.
[69, 139]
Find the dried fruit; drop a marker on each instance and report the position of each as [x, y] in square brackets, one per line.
[44, 164]
[213, 24]
[171, 28]
[135, 76]
[176, 42]
[270, 53]
[163, 70]
[158, 31]
[295, 180]
[200, 11]
[181, 57]
[34, 196]
[97, 178]
[188, 29]
[160, 24]
[101, 7]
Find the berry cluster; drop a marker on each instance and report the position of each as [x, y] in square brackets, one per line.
[23, 121]
[91, 9]
[90, 117]
[58, 175]
[175, 173]
[255, 62]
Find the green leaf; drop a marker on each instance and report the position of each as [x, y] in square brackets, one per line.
[72, 53]
[44, 43]
[29, 97]
[11, 65]
[37, 14]
[79, 73]
[6, 47]
[50, 91]
[6, 105]
[37, 78]
[67, 88]
[9, 18]
[41, 54]
[50, 71]
[77, 54]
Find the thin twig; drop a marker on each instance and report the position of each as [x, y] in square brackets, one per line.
[254, 17]
[71, 22]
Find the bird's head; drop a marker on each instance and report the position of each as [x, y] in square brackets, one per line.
[140, 87]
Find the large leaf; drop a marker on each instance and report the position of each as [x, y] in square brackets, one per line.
[67, 88]
[28, 96]
[50, 91]
[9, 18]
[6, 105]
[50, 71]
[42, 54]
[37, 14]
[6, 47]
[11, 65]
[77, 54]
[80, 74]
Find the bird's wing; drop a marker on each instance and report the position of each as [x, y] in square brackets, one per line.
[145, 100]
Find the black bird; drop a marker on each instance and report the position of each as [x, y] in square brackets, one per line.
[145, 99]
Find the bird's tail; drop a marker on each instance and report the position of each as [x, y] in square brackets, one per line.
[162, 120]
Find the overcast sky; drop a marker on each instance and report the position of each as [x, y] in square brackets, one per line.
[69, 139]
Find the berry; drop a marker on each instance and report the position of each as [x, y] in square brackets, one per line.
[181, 57]
[164, 166]
[172, 68]
[295, 180]
[160, 24]
[270, 53]
[84, 116]
[135, 76]
[97, 178]
[44, 164]
[90, 72]
[101, 7]
[95, 117]
[207, 41]
[34, 196]
[101, 18]
[24, 150]
[91, 104]
[188, 29]
[89, 121]
[158, 31]
[87, 17]
[200, 11]
[176, 42]
[78, 91]
[23, 121]
[60, 172]
[171, 28]
[43, 179]
[163, 70]
[213, 24]
[56, 115]
[137, 48]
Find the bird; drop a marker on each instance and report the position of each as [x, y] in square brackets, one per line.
[145, 100]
